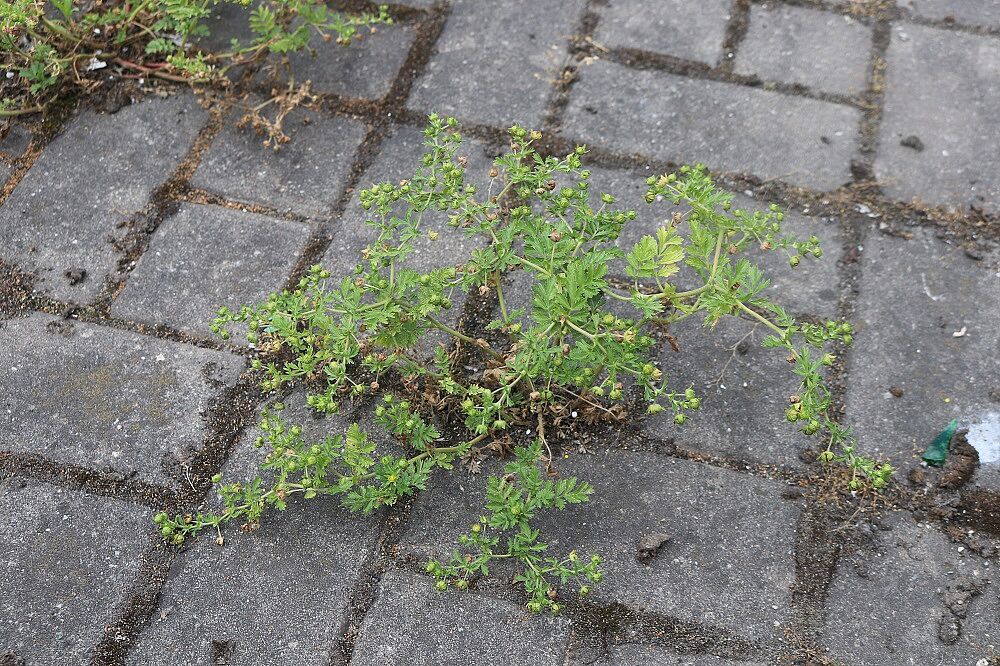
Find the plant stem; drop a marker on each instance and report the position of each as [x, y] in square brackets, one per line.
[461, 336]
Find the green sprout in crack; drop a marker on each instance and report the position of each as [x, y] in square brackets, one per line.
[583, 341]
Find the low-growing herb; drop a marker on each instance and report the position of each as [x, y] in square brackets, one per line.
[348, 337]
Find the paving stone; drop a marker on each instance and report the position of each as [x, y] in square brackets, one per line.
[915, 296]
[942, 87]
[822, 50]
[15, 141]
[227, 21]
[305, 177]
[887, 605]
[68, 561]
[742, 412]
[411, 623]
[59, 219]
[365, 69]
[668, 117]
[276, 595]
[728, 562]
[496, 63]
[668, 26]
[205, 257]
[984, 13]
[104, 398]
[648, 655]
[5, 172]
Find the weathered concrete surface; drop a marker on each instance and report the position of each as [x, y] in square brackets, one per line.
[197, 263]
[107, 399]
[69, 560]
[60, 220]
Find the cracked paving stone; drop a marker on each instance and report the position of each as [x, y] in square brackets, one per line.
[729, 561]
[107, 399]
[802, 141]
[670, 28]
[205, 257]
[943, 87]
[68, 560]
[413, 624]
[59, 218]
[305, 177]
[495, 63]
[908, 341]
[887, 603]
[275, 595]
[823, 50]
[364, 69]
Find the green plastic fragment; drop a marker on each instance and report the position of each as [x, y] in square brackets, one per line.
[938, 450]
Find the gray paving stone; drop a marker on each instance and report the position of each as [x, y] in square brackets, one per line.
[984, 13]
[104, 398]
[59, 218]
[204, 257]
[742, 412]
[306, 176]
[825, 51]
[496, 63]
[728, 127]
[5, 172]
[366, 68]
[68, 560]
[227, 21]
[915, 296]
[728, 562]
[15, 141]
[668, 26]
[887, 606]
[648, 655]
[277, 595]
[943, 87]
[411, 623]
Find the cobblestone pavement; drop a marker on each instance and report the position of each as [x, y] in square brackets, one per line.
[875, 123]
